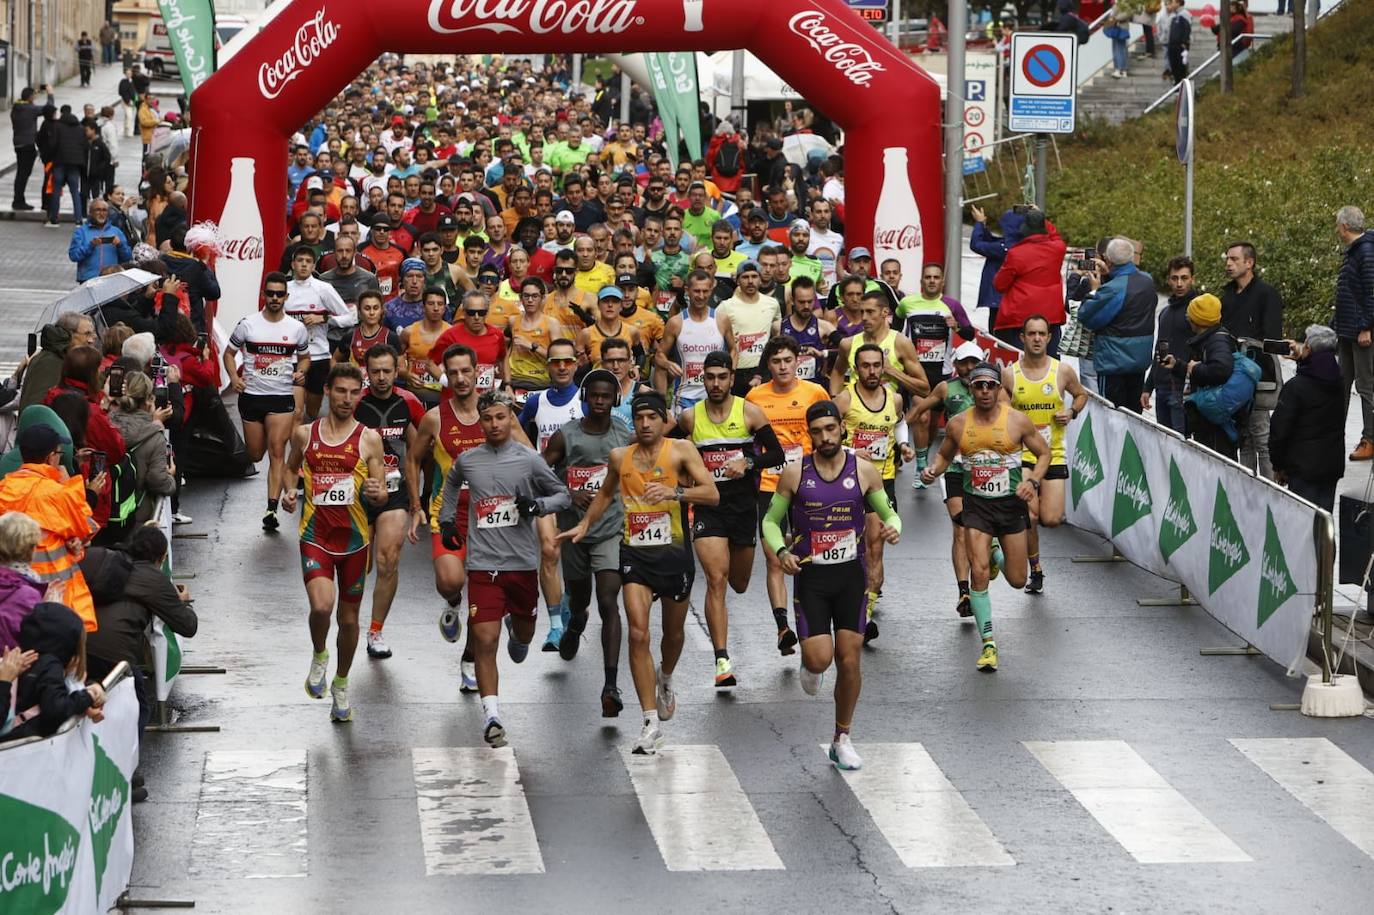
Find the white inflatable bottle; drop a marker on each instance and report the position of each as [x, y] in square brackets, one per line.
[897, 220]
[239, 267]
[691, 15]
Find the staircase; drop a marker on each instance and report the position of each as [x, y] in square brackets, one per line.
[1114, 100]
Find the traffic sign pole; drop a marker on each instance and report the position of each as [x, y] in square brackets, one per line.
[954, 152]
[1042, 157]
[1187, 153]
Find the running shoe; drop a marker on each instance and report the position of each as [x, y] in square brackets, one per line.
[811, 683]
[341, 710]
[650, 740]
[843, 754]
[179, 518]
[664, 696]
[564, 610]
[611, 705]
[451, 623]
[988, 659]
[494, 735]
[725, 674]
[554, 640]
[514, 647]
[917, 483]
[376, 646]
[467, 682]
[270, 522]
[1036, 583]
[314, 681]
[965, 606]
[870, 631]
[572, 637]
[787, 642]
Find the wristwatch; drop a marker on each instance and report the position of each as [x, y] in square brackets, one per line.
[677, 493]
[749, 462]
[1035, 483]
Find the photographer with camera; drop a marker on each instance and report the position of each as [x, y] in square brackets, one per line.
[140, 419]
[1171, 336]
[1120, 312]
[96, 244]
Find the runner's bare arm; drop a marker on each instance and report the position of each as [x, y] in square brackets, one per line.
[1020, 427]
[703, 489]
[294, 458]
[416, 451]
[841, 360]
[609, 490]
[871, 481]
[370, 447]
[954, 430]
[687, 421]
[1068, 379]
[927, 403]
[913, 374]
[554, 450]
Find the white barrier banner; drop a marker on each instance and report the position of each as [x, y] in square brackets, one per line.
[67, 842]
[1245, 552]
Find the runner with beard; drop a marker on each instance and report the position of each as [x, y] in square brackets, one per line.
[809, 330]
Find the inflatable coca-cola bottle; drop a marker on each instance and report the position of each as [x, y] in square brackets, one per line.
[897, 221]
[239, 268]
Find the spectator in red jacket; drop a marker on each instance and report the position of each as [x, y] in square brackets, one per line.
[1031, 281]
[727, 171]
[81, 375]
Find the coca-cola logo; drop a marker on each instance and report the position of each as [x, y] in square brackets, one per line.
[314, 35]
[593, 17]
[850, 59]
[903, 238]
[243, 249]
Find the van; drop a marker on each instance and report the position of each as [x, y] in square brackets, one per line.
[158, 58]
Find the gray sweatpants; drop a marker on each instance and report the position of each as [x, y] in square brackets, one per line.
[1357, 366]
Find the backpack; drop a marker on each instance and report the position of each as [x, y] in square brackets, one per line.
[728, 159]
[125, 493]
[1220, 403]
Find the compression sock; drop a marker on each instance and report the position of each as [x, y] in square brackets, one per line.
[610, 677]
[1034, 562]
[375, 627]
[490, 709]
[339, 682]
[320, 656]
[272, 505]
[998, 559]
[651, 716]
[963, 588]
[555, 611]
[982, 613]
[921, 459]
[780, 617]
[872, 604]
[722, 653]
[840, 729]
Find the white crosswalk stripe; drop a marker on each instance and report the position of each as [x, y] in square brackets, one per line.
[699, 815]
[1134, 803]
[473, 816]
[923, 817]
[251, 819]
[1324, 778]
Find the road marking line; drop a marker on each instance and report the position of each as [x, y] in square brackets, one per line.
[699, 815]
[251, 819]
[921, 814]
[1324, 778]
[473, 815]
[1134, 803]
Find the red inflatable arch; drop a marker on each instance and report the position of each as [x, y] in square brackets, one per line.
[244, 115]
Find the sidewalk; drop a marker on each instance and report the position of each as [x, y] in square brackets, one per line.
[103, 90]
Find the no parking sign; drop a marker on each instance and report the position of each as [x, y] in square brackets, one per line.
[1044, 83]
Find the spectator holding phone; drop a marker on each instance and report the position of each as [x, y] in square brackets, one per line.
[97, 244]
[1120, 312]
[1171, 336]
[1307, 427]
[138, 418]
[1209, 362]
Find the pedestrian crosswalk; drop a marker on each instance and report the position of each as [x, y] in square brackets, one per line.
[475, 818]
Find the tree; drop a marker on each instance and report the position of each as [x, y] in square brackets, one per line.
[1224, 43]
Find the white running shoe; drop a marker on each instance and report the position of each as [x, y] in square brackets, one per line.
[650, 740]
[314, 681]
[450, 623]
[468, 672]
[376, 646]
[811, 683]
[494, 734]
[843, 754]
[341, 710]
[179, 518]
[664, 696]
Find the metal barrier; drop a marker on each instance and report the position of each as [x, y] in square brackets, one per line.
[112, 679]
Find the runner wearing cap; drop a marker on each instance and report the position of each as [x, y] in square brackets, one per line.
[826, 496]
[608, 323]
[688, 337]
[409, 305]
[755, 232]
[580, 454]
[991, 437]
[386, 256]
[489, 344]
[953, 396]
[565, 228]
[509, 486]
[1037, 384]
[654, 479]
[640, 315]
[753, 319]
[784, 400]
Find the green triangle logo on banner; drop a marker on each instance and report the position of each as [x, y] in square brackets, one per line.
[173, 652]
[1229, 554]
[1132, 489]
[109, 796]
[1276, 582]
[1178, 525]
[1086, 471]
[40, 850]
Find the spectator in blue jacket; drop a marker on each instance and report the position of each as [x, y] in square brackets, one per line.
[1121, 314]
[1354, 321]
[96, 244]
[993, 250]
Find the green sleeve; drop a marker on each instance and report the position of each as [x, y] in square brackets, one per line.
[877, 500]
[772, 522]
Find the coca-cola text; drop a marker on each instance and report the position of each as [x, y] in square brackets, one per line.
[540, 17]
[850, 59]
[314, 35]
[243, 249]
[898, 238]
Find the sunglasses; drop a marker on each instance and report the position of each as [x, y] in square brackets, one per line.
[488, 278]
[564, 270]
[985, 385]
[562, 360]
[274, 293]
[476, 314]
[613, 360]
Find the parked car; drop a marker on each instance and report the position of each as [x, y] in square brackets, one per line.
[158, 58]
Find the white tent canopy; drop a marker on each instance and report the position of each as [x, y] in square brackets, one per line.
[714, 75]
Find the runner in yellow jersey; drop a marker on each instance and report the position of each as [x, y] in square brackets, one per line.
[991, 436]
[1037, 384]
[902, 370]
[873, 422]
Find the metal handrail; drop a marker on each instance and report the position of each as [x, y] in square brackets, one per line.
[118, 673]
[1202, 66]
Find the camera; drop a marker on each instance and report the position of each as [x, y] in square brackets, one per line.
[1161, 350]
[1021, 209]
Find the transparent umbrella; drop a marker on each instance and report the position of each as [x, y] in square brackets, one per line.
[798, 147]
[95, 292]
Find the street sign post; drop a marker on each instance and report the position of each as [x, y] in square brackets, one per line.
[1183, 144]
[1044, 83]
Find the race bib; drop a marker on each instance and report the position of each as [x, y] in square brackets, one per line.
[384, 285]
[752, 344]
[806, 367]
[496, 511]
[393, 472]
[587, 479]
[425, 380]
[649, 528]
[1044, 433]
[877, 444]
[270, 365]
[332, 488]
[663, 301]
[692, 371]
[929, 349]
[989, 474]
[830, 548]
[792, 454]
[715, 462]
[486, 377]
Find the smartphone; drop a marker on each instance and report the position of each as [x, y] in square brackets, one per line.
[1085, 264]
[33, 344]
[115, 381]
[1278, 347]
[99, 459]
[1161, 350]
[202, 340]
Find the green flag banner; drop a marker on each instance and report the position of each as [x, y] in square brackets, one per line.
[191, 32]
[1242, 548]
[661, 81]
[674, 80]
